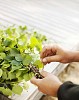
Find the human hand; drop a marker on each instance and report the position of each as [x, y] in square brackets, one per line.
[48, 85]
[55, 54]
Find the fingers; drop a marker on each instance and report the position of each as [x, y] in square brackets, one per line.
[45, 49]
[44, 73]
[35, 81]
[55, 58]
[48, 51]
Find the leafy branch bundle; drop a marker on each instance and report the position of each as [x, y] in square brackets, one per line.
[19, 49]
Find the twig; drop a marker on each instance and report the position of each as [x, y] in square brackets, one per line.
[36, 72]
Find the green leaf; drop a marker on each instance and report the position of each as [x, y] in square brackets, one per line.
[23, 28]
[40, 37]
[15, 68]
[8, 31]
[7, 48]
[23, 37]
[1, 72]
[38, 63]
[33, 42]
[13, 43]
[17, 89]
[22, 69]
[18, 57]
[13, 52]
[39, 46]
[2, 55]
[27, 60]
[15, 63]
[1, 48]
[30, 75]
[26, 77]
[19, 48]
[6, 65]
[4, 75]
[25, 86]
[11, 75]
[1, 89]
[7, 92]
[35, 57]
[7, 42]
[9, 58]
[18, 73]
[20, 78]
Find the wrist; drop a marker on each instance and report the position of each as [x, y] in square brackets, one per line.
[74, 56]
[56, 89]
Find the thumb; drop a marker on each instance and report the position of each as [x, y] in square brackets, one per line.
[35, 81]
[44, 73]
[55, 58]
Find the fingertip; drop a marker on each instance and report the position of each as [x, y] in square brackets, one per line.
[44, 73]
[35, 81]
[44, 60]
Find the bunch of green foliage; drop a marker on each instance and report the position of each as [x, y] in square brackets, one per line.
[18, 49]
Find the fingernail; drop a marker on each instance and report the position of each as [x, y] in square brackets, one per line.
[44, 60]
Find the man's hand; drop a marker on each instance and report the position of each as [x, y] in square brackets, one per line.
[48, 85]
[55, 54]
